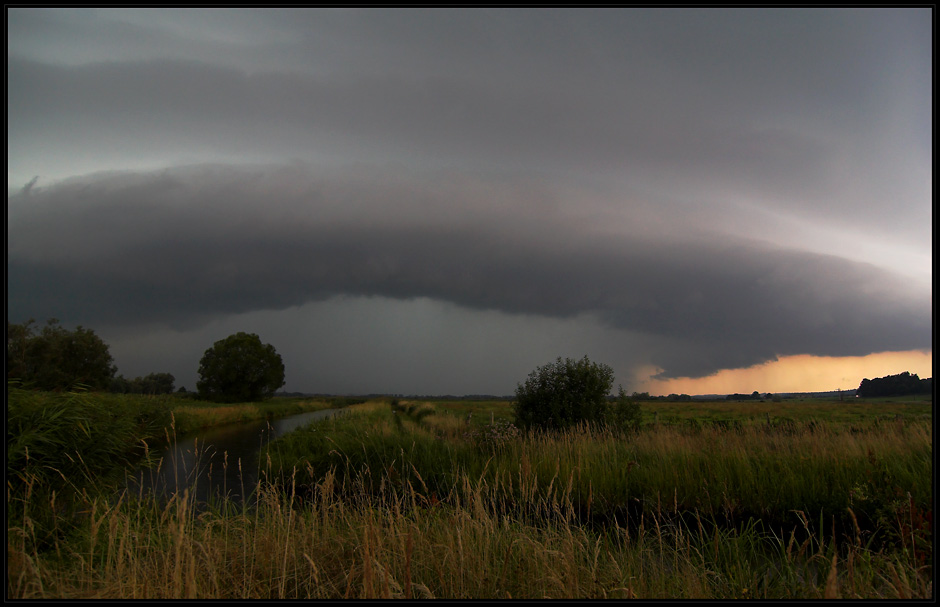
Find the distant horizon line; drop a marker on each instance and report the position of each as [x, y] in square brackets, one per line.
[286, 393]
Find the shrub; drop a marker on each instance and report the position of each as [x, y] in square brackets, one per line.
[493, 435]
[626, 415]
[563, 394]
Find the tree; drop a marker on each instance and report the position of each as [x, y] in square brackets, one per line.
[902, 384]
[58, 359]
[240, 368]
[564, 393]
[154, 383]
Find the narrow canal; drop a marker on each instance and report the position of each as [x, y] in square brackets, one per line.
[217, 461]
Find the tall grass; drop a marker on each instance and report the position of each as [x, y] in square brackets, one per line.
[194, 415]
[348, 542]
[64, 448]
[416, 501]
[761, 471]
[831, 411]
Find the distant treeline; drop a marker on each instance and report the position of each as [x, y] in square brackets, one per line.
[364, 397]
[154, 383]
[755, 395]
[901, 384]
[55, 359]
[645, 396]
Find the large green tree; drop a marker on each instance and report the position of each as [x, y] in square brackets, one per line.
[564, 393]
[56, 358]
[240, 368]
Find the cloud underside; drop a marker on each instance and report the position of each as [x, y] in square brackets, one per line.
[183, 246]
[690, 131]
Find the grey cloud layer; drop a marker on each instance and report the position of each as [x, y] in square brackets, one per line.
[819, 113]
[414, 115]
[181, 246]
[626, 167]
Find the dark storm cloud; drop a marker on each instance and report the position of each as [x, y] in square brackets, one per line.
[158, 102]
[789, 108]
[656, 186]
[182, 246]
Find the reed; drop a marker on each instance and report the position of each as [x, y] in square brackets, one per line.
[417, 502]
[194, 416]
[753, 471]
[348, 542]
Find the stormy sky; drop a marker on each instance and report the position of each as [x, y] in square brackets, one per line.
[438, 201]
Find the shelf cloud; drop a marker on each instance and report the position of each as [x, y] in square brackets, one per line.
[710, 189]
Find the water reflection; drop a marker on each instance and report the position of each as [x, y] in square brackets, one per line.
[217, 461]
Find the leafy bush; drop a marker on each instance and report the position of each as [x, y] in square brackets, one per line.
[626, 414]
[563, 394]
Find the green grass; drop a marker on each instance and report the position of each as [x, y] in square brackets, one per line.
[407, 499]
[50, 435]
[65, 448]
[346, 542]
[761, 470]
[54, 434]
[196, 415]
[850, 411]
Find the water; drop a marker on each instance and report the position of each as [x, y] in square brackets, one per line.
[217, 461]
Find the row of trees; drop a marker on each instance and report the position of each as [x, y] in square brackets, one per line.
[238, 368]
[154, 383]
[755, 395]
[57, 359]
[901, 384]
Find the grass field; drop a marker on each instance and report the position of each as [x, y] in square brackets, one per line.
[446, 499]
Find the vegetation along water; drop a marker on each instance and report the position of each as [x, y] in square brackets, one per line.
[449, 499]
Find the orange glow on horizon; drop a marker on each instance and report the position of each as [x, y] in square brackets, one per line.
[799, 373]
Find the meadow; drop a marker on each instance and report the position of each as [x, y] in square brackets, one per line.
[447, 499]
